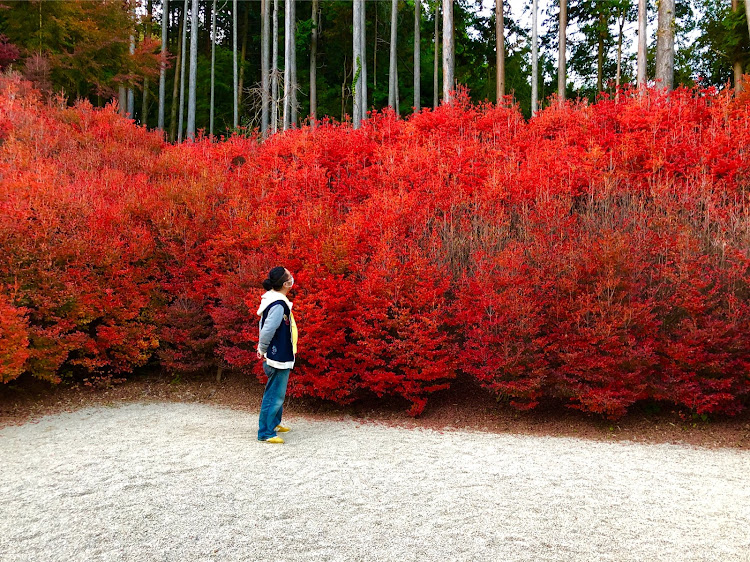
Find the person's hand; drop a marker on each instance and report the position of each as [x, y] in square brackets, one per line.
[259, 354]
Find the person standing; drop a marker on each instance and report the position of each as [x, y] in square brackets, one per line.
[277, 346]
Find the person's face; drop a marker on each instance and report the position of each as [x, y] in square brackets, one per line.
[289, 283]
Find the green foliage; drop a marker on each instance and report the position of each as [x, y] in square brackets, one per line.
[85, 43]
[598, 22]
[724, 39]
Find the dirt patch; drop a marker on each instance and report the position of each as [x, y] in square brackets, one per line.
[464, 406]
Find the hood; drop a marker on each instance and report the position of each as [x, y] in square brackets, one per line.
[271, 297]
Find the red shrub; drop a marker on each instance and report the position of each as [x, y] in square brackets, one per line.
[598, 254]
[14, 341]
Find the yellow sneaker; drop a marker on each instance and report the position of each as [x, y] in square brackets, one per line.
[281, 429]
[273, 440]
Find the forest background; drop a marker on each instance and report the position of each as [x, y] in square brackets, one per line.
[93, 49]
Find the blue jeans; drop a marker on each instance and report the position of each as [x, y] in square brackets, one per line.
[272, 405]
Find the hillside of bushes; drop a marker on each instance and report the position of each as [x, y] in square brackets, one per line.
[597, 254]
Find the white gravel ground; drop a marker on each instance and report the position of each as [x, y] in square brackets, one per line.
[188, 482]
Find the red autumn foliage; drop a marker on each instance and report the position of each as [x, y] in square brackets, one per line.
[14, 340]
[9, 53]
[597, 254]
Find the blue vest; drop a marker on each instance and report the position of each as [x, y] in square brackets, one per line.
[280, 349]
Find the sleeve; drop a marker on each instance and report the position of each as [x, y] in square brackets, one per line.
[272, 323]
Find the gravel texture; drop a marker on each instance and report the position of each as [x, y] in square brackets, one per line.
[183, 482]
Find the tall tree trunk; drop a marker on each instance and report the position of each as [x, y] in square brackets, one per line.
[275, 70]
[177, 77]
[499, 51]
[213, 69]
[293, 63]
[243, 54]
[147, 35]
[182, 72]
[343, 92]
[363, 62]
[288, 35]
[665, 45]
[163, 67]
[265, 63]
[357, 109]
[737, 64]
[375, 50]
[417, 55]
[235, 78]
[436, 69]
[122, 100]
[314, 62]
[206, 18]
[448, 52]
[600, 54]
[393, 66]
[642, 19]
[534, 58]
[131, 94]
[192, 82]
[621, 21]
[747, 13]
[562, 43]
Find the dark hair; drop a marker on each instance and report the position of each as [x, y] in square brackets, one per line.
[276, 279]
